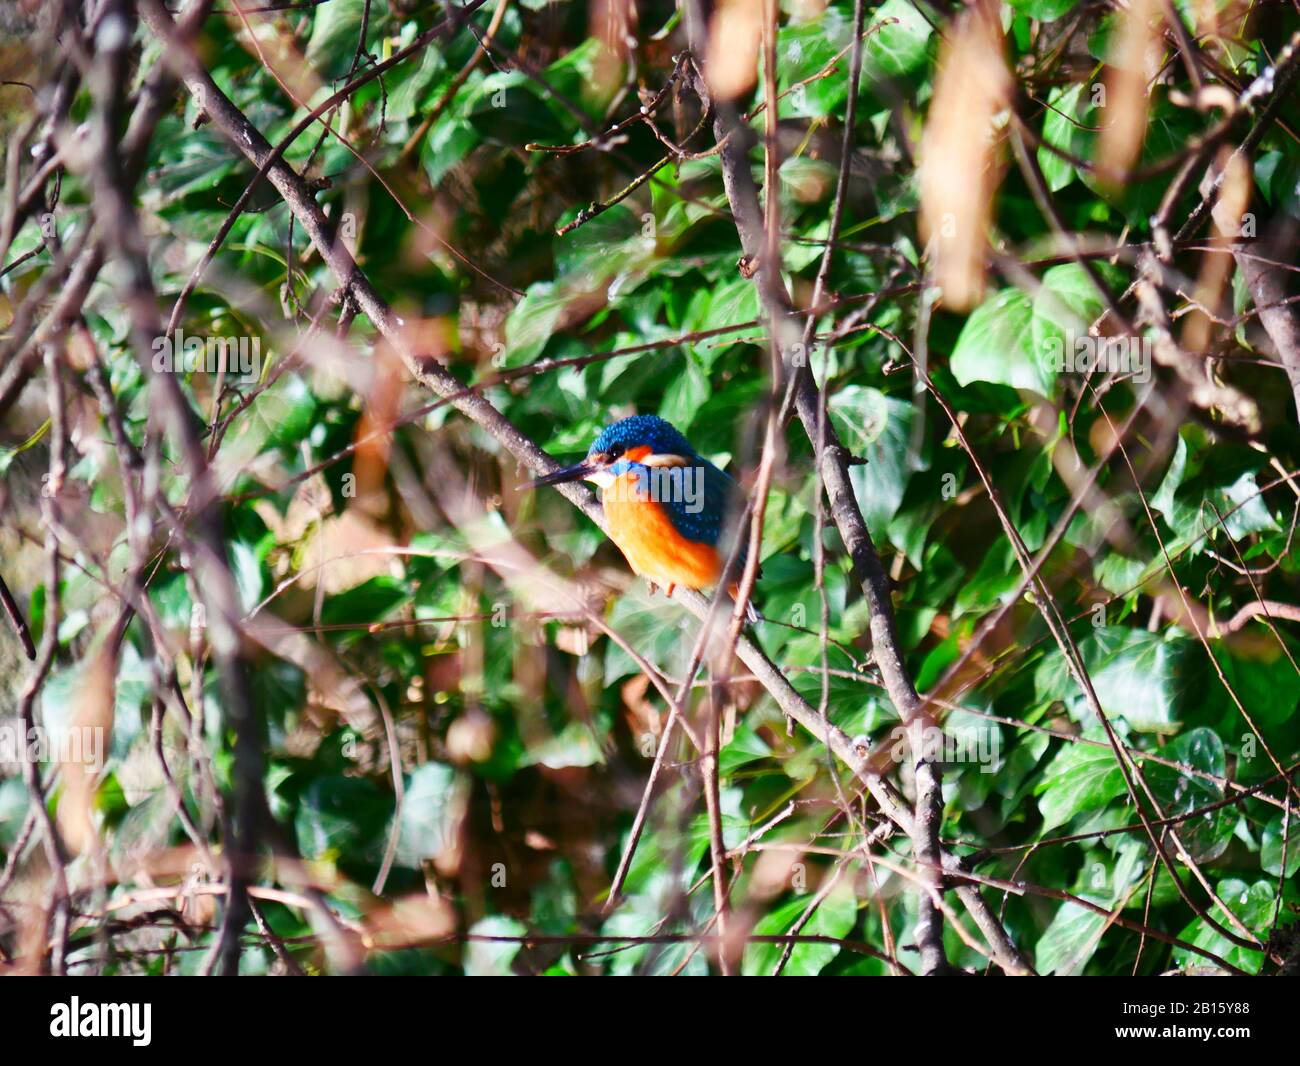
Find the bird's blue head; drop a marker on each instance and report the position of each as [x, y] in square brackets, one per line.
[639, 437]
[645, 439]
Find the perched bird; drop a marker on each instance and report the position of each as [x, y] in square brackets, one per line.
[666, 506]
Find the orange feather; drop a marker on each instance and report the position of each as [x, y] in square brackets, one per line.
[651, 543]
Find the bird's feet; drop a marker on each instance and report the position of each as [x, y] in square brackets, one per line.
[651, 586]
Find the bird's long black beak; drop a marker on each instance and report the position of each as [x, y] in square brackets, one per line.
[569, 473]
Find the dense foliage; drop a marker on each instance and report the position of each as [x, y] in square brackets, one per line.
[451, 713]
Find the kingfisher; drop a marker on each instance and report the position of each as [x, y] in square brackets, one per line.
[666, 506]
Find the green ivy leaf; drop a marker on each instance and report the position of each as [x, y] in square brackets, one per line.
[1254, 903]
[341, 817]
[1143, 678]
[1062, 128]
[1082, 777]
[1070, 941]
[997, 345]
[1044, 10]
[432, 808]
[879, 429]
[834, 917]
[1271, 848]
[488, 958]
[897, 47]
[1064, 306]
[1206, 836]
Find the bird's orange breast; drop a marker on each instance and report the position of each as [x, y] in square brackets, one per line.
[654, 548]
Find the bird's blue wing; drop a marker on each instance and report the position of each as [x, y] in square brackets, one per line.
[704, 511]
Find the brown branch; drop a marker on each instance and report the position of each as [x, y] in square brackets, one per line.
[1266, 608]
[742, 195]
[15, 615]
[115, 211]
[1262, 266]
[56, 856]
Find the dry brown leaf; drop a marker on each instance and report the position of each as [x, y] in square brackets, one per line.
[273, 42]
[642, 716]
[1207, 18]
[82, 745]
[375, 428]
[960, 170]
[310, 503]
[731, 65]
[345, 551]
[409, 921]
[1217, 263]
[772, 874]
[330, 685]
[573, 639]
[471, 736]
[613, 24]
[1125, 109]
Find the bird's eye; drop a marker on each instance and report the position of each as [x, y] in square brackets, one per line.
[615, 452]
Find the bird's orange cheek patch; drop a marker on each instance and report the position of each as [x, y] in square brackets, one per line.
[638, 453]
